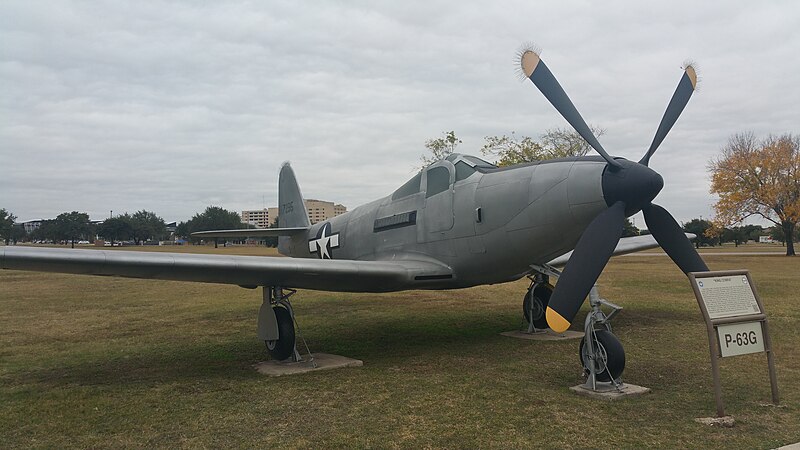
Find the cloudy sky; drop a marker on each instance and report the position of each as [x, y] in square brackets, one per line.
[174, 106]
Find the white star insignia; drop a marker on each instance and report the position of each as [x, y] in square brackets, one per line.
[324, 242]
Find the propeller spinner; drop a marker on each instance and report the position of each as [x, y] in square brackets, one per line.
[628, 187]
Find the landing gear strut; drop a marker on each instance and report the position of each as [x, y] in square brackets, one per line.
[276, 325]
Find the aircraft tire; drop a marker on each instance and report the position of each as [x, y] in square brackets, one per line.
[612, 356]
[540, 294]
[283, 347]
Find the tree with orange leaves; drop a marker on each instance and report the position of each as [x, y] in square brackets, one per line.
[759, 178]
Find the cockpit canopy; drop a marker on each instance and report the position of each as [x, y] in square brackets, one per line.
[438, 176]
[471, 160]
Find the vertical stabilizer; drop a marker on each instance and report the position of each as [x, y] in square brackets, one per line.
[292, 209]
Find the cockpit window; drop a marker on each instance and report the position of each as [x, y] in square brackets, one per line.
[479, 163]
[452, 157]
[410, 188]
[438, 181]
[463, 171]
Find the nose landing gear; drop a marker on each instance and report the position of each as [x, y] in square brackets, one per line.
[606, 357]
[601, 354]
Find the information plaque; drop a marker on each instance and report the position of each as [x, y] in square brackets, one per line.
[735, 321]
[727, 296]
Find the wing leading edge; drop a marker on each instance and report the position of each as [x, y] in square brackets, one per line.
[624, 246]
[249, 271]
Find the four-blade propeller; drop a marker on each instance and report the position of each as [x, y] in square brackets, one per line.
[628, 187]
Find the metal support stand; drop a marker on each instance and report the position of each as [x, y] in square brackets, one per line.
[595, 318]
[277, 295]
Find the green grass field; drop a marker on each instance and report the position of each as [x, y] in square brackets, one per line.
[111, 362]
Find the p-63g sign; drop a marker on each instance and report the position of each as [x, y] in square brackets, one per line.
[740, 338]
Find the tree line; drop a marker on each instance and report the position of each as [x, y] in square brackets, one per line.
[710, 233]
[141, 226]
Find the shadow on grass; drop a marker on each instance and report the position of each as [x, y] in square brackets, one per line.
[379, 341]
[376, 341]
[380, 337]
[163, 363]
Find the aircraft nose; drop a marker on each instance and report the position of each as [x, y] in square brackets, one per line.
[634, 184]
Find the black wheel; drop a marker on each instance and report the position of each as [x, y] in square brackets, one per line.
[283, 347]
[611, 356]
[540, 296]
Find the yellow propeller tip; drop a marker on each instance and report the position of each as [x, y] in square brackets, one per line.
[692, 76]
[528, 62]
[555, 321]
[691, 71]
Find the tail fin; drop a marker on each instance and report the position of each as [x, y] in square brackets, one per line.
[292, 209]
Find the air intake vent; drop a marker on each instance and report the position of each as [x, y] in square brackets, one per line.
[396, 221]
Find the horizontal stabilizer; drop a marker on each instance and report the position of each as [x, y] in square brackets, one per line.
[251, 232]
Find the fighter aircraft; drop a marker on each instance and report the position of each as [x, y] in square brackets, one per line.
[459, 222]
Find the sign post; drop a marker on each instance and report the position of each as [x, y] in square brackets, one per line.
[735, 320]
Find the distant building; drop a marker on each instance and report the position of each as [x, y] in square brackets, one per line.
[260, 218]
[31, 225]
[318, 211]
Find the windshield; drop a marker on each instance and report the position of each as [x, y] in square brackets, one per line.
[410, 188]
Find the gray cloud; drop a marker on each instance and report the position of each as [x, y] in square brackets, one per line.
[174, 106]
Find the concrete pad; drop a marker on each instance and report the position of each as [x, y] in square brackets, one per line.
[607, 391]
[324, 361]
[546, 335]
[724, 421]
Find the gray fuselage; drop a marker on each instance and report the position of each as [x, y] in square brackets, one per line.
[487, 224]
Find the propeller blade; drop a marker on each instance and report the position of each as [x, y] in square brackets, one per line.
[536, 70]
[671, 238]
[679, 100]
[590, 256]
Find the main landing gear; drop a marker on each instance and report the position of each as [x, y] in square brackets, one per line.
[601, 354]
[534, 304]
[276, 325]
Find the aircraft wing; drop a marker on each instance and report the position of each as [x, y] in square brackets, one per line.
[246, 271]
[624, 246]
